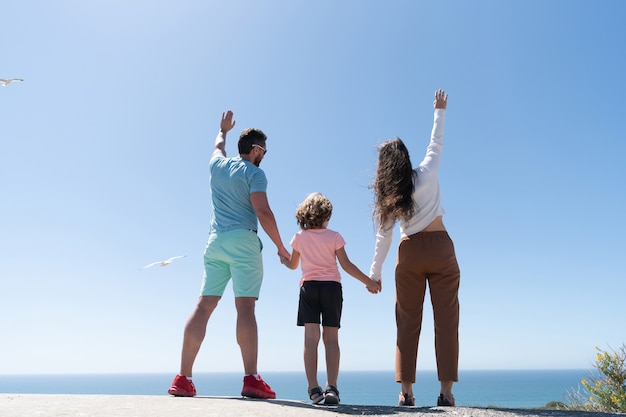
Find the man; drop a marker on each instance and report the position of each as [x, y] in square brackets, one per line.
[238, 192]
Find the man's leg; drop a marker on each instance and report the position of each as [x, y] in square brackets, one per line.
[248, 340]
[247, 336]
[195, 330]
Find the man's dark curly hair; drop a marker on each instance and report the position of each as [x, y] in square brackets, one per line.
[249, 137]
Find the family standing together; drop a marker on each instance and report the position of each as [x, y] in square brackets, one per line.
[403, 194]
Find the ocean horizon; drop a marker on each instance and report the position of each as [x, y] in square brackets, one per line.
[490, 388]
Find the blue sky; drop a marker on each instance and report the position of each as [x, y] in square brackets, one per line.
[104, 169]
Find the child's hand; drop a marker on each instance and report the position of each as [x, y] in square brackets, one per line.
[290, 261]
[373, 286]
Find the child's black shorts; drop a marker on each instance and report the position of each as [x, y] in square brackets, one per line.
[323, 298]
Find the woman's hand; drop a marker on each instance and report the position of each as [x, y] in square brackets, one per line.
[441, 99]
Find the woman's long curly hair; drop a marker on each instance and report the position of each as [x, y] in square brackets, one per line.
[394, 183]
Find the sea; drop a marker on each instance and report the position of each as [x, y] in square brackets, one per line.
[492, 388]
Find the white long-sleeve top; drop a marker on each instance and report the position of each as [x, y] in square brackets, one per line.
[426, 196]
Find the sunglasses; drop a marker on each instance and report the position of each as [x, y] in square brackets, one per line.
[260, 147]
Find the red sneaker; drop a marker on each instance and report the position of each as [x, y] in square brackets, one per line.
[182, 387]
[256, 388]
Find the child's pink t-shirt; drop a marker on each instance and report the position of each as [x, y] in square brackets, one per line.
[317, 254]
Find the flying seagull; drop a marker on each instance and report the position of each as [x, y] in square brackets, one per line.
[164, 263]
[7, 81]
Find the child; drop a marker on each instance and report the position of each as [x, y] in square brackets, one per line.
[320, 290]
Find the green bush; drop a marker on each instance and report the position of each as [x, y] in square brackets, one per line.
[556, 405]
[604, 391]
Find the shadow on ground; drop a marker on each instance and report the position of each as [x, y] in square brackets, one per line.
[347, 409]
[384, 410]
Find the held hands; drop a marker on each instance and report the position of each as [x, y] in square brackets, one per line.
[374, 286]
[227, 122]
[284, 256]
[441, 99]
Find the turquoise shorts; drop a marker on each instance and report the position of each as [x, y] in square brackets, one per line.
[233, 254]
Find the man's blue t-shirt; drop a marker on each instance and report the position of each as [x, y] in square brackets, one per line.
[232, 182]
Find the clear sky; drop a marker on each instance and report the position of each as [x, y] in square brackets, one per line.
[104, 169]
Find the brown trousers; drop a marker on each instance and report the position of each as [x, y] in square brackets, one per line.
[427, 257]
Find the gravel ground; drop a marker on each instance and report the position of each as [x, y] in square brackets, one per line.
[38, 405]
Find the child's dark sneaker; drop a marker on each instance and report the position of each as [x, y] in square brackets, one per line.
[316, 395]
[331, 396]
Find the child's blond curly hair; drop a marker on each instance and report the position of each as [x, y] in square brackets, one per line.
[314, 211]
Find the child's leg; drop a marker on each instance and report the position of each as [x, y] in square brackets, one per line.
[311, 342]
[331, 345]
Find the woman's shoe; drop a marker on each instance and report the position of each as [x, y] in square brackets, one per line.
[406, 400]
[444, 401]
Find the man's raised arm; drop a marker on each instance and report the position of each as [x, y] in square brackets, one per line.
[226, 124]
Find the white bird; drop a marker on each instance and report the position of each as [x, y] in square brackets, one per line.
[7, 81]
[165, 262]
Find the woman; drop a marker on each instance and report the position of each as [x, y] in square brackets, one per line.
[426, 256]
